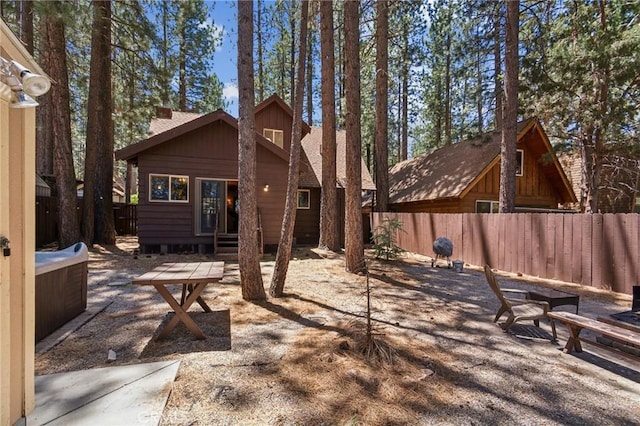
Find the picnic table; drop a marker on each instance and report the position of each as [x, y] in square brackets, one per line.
[193, 277]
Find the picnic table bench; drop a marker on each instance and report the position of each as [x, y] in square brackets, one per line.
[193, 277]
[576, 323]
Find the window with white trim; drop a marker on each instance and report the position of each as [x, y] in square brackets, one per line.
[304, 199]
[275, 136]
[519, 162]
[487, 206]
[168, 188]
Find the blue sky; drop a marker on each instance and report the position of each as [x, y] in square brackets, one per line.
[224, 19]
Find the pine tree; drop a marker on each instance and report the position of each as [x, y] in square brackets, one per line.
[510, 117]
[354, 248]
[250, 274]
[288, 221]
[98, 221]
[329, 234]
[382, 107]
[55, 65]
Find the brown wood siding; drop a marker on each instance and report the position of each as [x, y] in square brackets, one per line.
[207, 152]
[307, 228]
[532, 189]
[274, 117]
[439, 206]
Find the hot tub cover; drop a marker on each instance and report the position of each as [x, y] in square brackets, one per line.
[47, 261]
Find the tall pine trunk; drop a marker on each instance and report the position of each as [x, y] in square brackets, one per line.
[44, 123]
[354, 247]
[497, 65]
[248, 253]
[382, 106]
[509, 125]
[404, 126]
[288, 221]
[56, 61]
[329, 215]
[260, 50]
[97, 218]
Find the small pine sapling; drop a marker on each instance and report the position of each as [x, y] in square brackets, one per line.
[384, 238]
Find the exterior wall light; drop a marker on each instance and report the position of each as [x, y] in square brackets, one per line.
[266, 188]
[23, 83]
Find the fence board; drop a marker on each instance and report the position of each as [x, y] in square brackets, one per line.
[538, 233]
[630, 252]
[550, 247]
[618, 249]
[564, 262]
[608, 265]
[576, 248]
[597, 251]
[526, 243]
[586, 252]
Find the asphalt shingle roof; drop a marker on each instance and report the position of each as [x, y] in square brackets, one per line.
[445, 172]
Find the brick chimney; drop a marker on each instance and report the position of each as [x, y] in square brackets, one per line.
[164, 112]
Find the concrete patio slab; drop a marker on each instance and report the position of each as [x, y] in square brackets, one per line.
[111, 396]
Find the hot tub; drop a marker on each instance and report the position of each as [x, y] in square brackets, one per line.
[61, 287]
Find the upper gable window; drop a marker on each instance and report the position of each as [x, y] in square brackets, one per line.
[519, 162]
[275, 136]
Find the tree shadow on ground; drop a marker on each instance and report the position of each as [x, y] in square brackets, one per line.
[215, 325]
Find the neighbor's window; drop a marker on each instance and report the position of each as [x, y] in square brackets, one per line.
[168, 188]
[519, 162]
[275, 136]
[304, 197]
[483, 206]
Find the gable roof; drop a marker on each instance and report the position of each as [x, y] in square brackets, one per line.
[451, 171]
[178, 128]
[312, 146]
[275, 99]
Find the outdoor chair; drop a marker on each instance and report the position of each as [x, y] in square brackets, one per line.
[518, 309]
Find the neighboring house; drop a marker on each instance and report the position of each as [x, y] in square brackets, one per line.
[118, 192]
[465, 177]
[42, 189]
[619, 182]
[188, 179]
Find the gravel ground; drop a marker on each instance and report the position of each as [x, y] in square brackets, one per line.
[296, 360]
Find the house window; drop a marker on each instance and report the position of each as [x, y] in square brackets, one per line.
[275, 136]
[519, 162]
[304, 197]
[169, 188]
[484, 206]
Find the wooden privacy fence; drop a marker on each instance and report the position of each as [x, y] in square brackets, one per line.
[125, 219]
[598, 250]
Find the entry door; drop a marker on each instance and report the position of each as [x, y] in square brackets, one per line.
[210, 206]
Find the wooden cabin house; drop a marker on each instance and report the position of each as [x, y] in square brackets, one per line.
[188, 180]
[465, 177]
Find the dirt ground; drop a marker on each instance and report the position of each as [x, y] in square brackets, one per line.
[298, 360]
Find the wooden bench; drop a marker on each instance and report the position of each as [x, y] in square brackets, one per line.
[576, 323]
